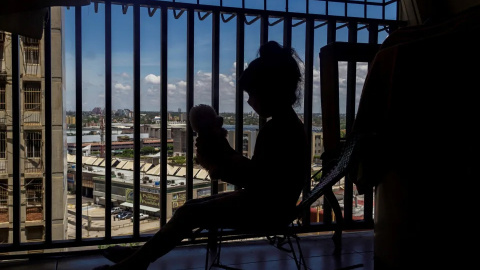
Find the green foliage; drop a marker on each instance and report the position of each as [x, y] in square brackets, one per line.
[147, 150]
[121, 244]
[317, 177]
[127, 153]
[178, 160]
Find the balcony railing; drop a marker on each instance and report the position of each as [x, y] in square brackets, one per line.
[320, 27]
[33, 166]
[3, 166]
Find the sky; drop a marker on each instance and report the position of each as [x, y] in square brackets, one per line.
[93, 54]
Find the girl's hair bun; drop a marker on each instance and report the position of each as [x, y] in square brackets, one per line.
[273, 52]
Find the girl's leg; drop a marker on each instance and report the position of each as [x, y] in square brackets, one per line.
[195, 213]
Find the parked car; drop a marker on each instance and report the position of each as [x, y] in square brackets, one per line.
[118, 215]
[116, 210]
[142, 216]
[125, 215]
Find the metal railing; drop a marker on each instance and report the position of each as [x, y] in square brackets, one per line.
[219, 14]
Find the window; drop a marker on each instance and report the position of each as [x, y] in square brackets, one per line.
[3, 144]
[2, 97]
[32, 55]
[34, 191]
[2, 52]
[28, 41]
[33, 144]
[3, 194]
[32, 93]
[31, 50]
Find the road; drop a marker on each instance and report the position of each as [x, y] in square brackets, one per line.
[97, 224]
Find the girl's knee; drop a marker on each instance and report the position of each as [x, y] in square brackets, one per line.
[185, 210]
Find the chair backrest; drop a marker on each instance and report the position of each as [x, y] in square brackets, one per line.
[331, 177]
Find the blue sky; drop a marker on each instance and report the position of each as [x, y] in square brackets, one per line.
[93, 51]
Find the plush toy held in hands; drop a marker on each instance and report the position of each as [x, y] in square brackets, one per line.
[205, 121]
[209, 127]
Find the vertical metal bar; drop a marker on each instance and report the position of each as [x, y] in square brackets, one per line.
[308, 98]
[108, 118]
[78, 123]
[365, 10]
[373, 33]
[264, 29]
[190, 84]
[287, 32]
[331, 36]
[215, 60]
[16, 140]
[350, 117]
[215, 73]
[239, 93]
[136, 120]
[263, 39]
[351, 79]
[346, 9]
[164, 114]
[383, 10]
[331, 31]
[397, 13]
[368, 197]
[48, 128]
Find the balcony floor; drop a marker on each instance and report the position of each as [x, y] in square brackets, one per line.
[356, 253]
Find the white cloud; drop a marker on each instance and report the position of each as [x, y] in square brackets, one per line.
[125, 75]
[122, 87]
[182, 83]
[202, 91]
[153, 79]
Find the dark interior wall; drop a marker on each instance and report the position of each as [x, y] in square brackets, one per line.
[418, 11]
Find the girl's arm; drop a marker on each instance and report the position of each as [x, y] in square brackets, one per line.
[224, 162]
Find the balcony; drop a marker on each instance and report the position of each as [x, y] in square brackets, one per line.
[86, 220]
[264, 19]
[254, 254]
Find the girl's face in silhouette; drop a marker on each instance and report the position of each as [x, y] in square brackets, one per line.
[260, 104]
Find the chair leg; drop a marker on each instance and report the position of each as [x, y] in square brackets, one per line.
[332, 200]
[297, 262]
[214, 248]
[300, 259]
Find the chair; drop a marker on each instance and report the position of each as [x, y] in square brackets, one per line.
[282, 238]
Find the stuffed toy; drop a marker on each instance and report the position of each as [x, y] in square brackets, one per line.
[208, 125]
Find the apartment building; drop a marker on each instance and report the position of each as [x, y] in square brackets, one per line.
[32, 136]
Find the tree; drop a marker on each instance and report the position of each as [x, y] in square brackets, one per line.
[148, 150]
[128, 153]
[178, 160]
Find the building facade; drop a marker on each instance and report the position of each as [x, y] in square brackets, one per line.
[32, 138]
